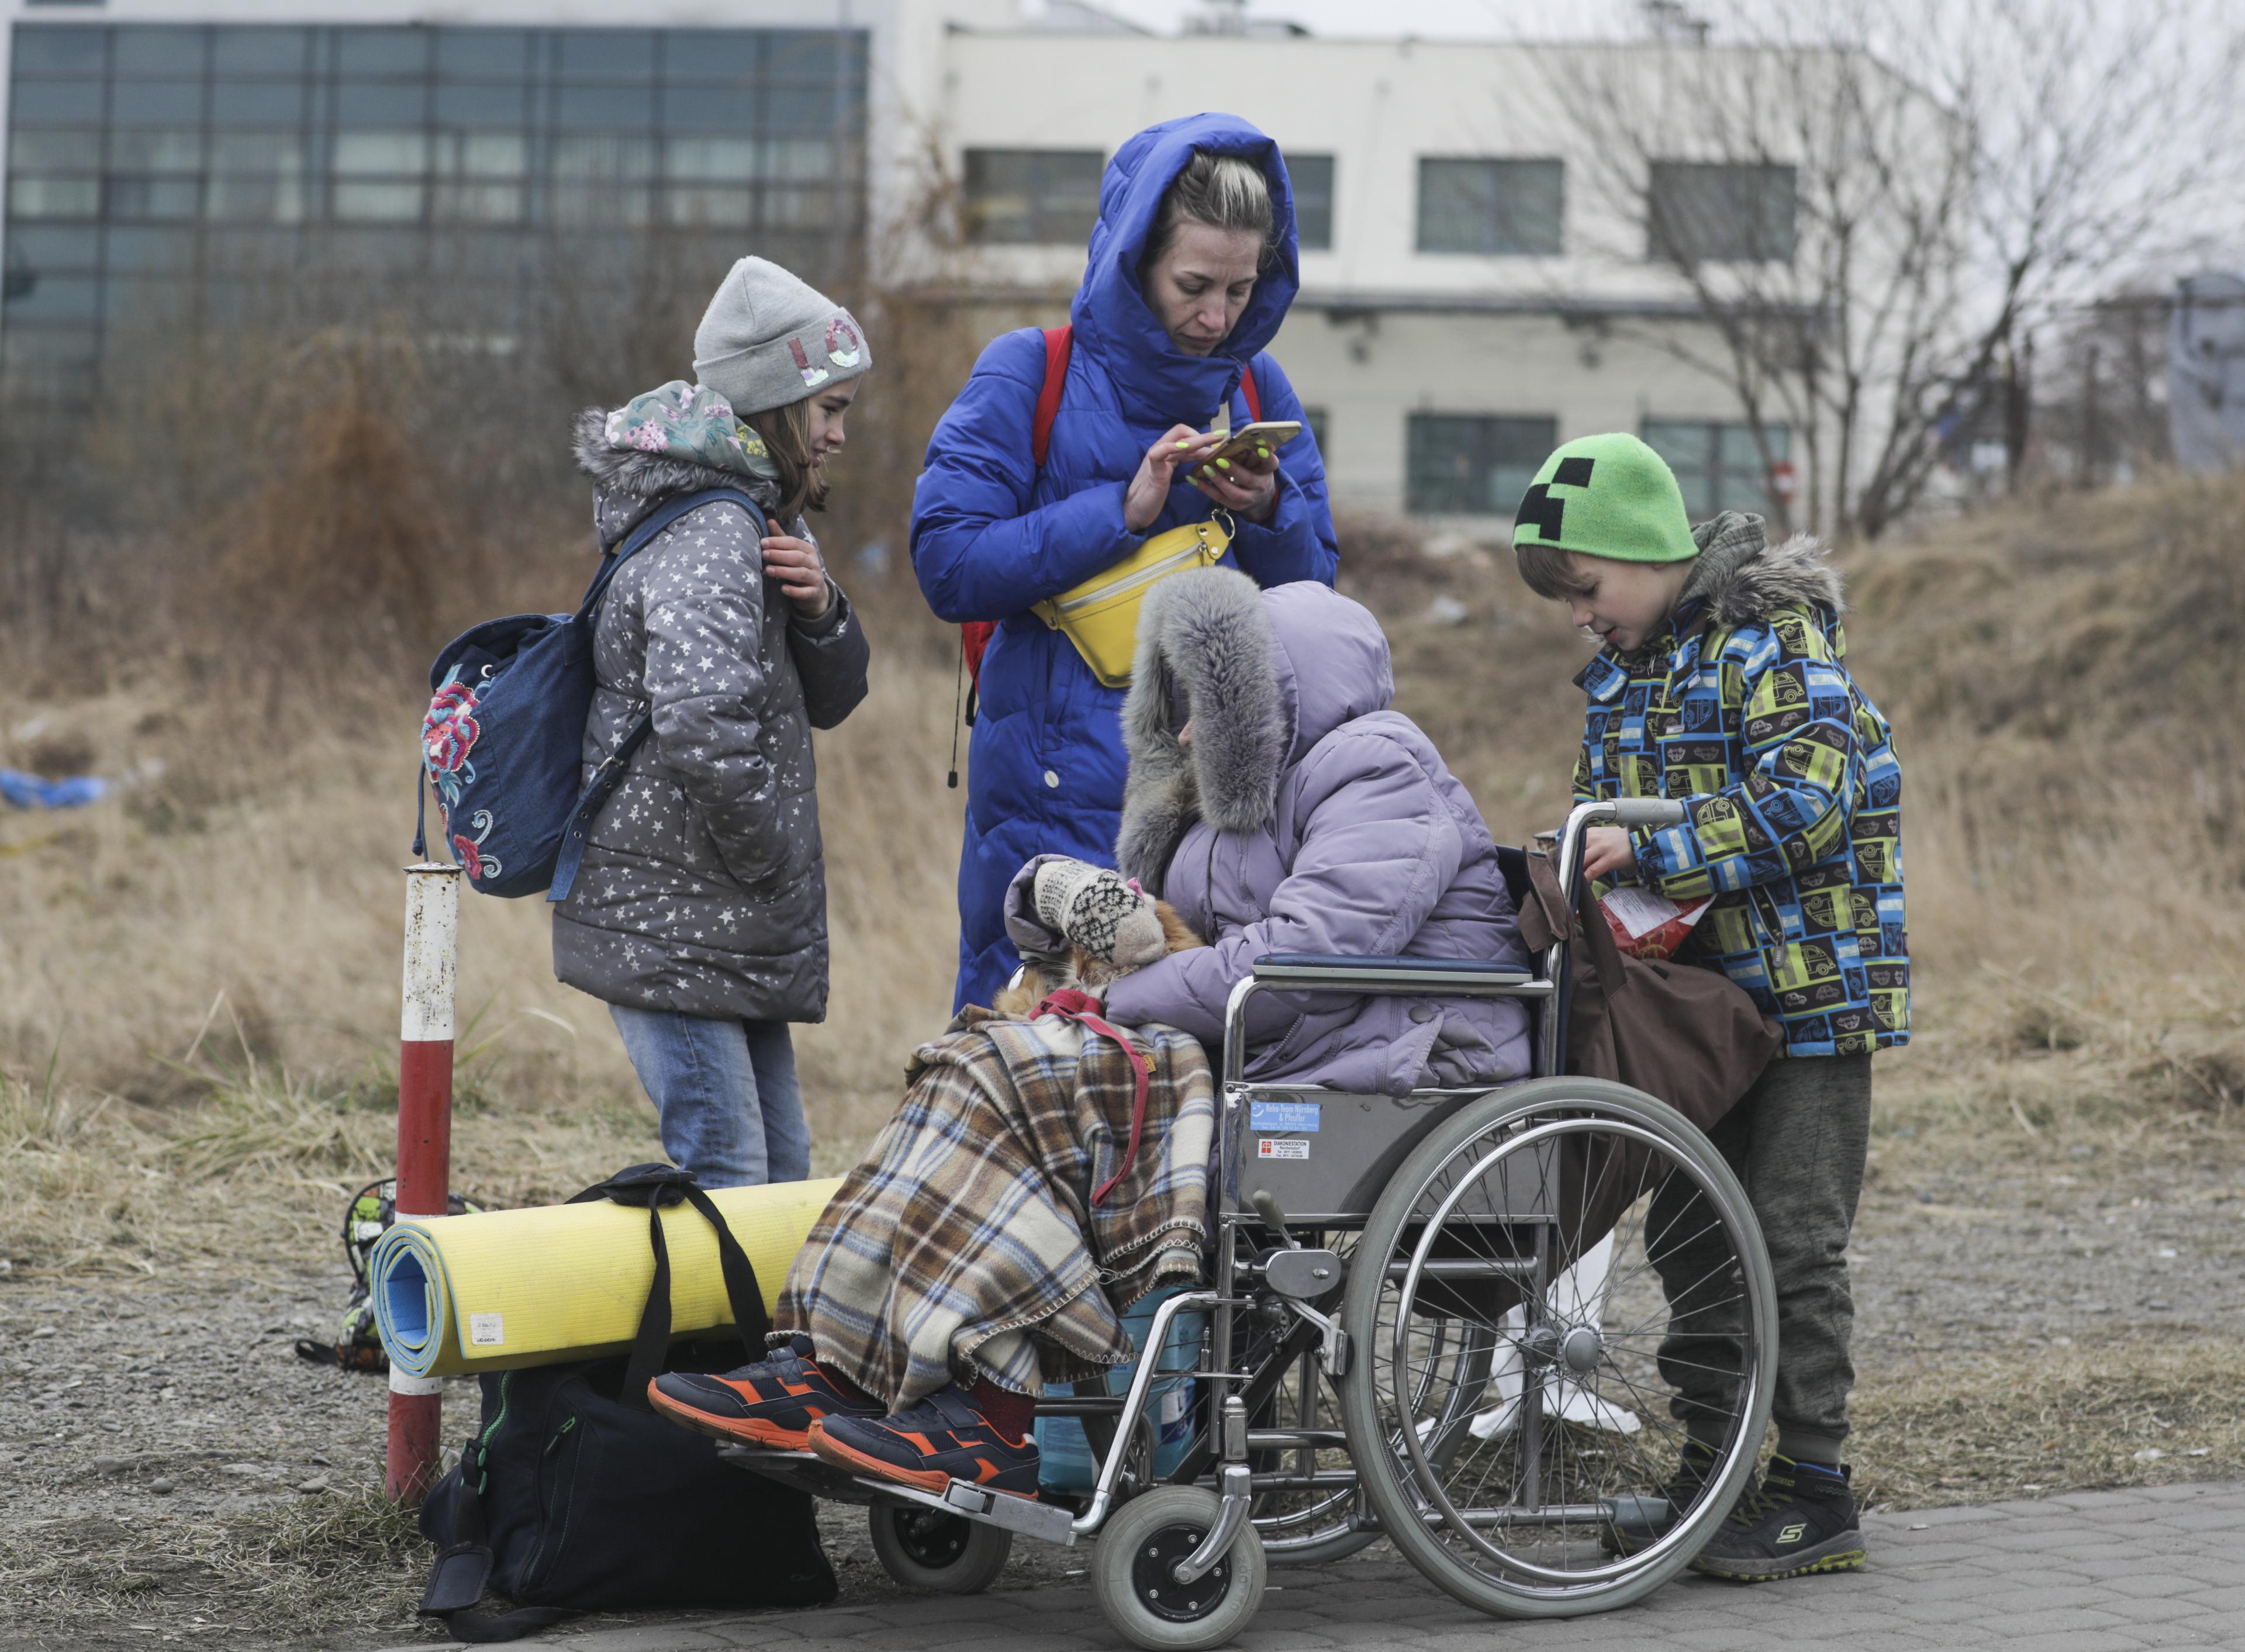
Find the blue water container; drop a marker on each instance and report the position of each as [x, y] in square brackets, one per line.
[1065, 1459]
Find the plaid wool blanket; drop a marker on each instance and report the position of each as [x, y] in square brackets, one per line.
[963, 1243]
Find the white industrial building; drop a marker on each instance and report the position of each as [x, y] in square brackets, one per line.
[1466, 300]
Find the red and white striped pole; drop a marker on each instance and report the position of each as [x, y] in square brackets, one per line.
[424, 1139]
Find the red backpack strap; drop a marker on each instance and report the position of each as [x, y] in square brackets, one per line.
[1060, 342]
[974, 642]
[1247, 389]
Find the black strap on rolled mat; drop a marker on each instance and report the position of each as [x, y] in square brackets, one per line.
[656, 1186]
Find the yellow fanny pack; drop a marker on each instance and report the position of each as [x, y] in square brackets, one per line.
[1101, 615]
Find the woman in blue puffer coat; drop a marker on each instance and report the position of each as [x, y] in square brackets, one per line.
[1191, 269]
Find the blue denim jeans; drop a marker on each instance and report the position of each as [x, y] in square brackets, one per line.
[725, 1092]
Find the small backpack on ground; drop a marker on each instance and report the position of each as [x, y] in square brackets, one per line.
[357, 1346]
[503, 741]
[575, 1496]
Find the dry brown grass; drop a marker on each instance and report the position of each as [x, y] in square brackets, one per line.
[340, 1563]
[2138, 1414]
[2057, 678]
[198, 982]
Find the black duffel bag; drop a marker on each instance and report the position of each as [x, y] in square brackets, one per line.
[575, 1496]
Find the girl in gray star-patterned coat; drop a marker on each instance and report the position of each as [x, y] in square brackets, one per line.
[700, 913]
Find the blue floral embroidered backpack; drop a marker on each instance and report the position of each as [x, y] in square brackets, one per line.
[504, 739]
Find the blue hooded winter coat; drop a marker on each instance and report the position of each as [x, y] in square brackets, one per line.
[993, 534]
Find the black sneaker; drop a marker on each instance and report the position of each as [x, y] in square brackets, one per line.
[1639, 1522]
[944, 1437]
[1802, 1519]
[772, 1403]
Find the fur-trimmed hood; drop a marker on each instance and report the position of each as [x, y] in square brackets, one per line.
[1742, 578]
[680, 438]
[1218, 652]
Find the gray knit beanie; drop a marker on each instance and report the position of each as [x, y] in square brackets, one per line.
[770, 338]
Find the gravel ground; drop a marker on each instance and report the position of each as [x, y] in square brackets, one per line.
[1974, 1259]
[164, 1452]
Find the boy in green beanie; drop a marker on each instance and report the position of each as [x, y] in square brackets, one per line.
[1722, 682]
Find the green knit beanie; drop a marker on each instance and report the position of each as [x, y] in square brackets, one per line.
[1606, 496]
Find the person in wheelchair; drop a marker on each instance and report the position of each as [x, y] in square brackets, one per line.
[1278, 803]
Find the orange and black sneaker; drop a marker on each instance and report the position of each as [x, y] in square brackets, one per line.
[944, 1437]
[775, 1401]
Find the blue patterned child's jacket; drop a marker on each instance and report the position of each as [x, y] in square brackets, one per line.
[1746, 708]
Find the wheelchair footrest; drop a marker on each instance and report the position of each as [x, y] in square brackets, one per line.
[806, 1472]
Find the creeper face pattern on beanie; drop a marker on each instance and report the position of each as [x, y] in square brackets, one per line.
[1100, 912]
[1606, 496]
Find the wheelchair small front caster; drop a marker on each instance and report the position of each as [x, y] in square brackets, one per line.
[1133, 1573]
[948, 1554]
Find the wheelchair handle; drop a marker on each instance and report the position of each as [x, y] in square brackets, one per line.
[1657, 812]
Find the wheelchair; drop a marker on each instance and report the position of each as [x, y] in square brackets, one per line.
[1456, 1319]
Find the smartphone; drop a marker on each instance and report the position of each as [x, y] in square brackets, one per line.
[1270, 433]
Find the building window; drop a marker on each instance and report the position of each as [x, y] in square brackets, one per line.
[1718, 466]
[1312, 177]
[1512, 208]
[198, 161]
[1319, 421]
[1033, 197]
[1699, 213]
[1475, 464]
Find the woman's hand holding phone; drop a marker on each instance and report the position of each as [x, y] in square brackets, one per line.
[1150, 489]
[1245, 481]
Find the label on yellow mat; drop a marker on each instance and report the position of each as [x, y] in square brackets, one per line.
[486, 1330]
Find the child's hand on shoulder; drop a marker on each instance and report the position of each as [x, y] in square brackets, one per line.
[801, 572]
[1607, 849]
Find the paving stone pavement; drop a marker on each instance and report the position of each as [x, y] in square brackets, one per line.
[2092, 1572]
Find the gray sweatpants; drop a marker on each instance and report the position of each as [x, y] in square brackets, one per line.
[1797, 1141]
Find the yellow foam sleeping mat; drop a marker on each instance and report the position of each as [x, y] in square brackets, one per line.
[458, 1295]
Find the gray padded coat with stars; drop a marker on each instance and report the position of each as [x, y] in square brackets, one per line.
[703, 887]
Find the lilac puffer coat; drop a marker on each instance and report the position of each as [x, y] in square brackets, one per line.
[1305, 817]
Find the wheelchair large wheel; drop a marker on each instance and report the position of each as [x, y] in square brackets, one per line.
[1515, 1496]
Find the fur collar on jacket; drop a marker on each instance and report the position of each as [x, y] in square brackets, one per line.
[1743, 578]
[1205, 654]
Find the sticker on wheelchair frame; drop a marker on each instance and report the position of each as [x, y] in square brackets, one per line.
[1281, 1148]
[1297, 1116]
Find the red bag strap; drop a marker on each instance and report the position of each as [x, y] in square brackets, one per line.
[1247, 389]
[1082, 1008]
[1060, 342]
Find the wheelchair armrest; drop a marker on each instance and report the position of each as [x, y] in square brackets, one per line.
[1437, 977]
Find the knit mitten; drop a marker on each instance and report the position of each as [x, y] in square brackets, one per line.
[1099, 912]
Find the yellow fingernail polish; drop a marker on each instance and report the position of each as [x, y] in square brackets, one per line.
[1182, 445]
[1262, 453]
[1224, 464]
